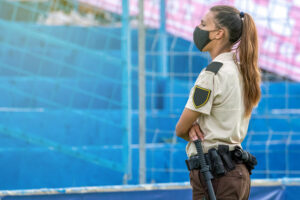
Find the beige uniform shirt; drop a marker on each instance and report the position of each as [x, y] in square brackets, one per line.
[222, 110]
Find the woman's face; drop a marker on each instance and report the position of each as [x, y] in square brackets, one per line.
[207, 22]
[215, 33]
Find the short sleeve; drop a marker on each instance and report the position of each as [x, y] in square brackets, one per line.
[202, 94]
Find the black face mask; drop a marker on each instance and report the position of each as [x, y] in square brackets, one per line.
[201, 38]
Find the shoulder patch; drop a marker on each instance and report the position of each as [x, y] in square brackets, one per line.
[214, 67]
[201, 96]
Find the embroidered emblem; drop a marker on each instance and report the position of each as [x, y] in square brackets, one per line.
[201, 96]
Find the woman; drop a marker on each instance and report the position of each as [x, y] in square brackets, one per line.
[220, 103]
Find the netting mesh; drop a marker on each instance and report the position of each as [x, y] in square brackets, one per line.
[61, 89]
[62, 82]
[273, 135]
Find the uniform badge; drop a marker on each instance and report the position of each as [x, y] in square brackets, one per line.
[201, 96]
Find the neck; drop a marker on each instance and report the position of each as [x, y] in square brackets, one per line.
[217, 51]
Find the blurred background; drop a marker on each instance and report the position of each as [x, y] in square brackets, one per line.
[91, 92]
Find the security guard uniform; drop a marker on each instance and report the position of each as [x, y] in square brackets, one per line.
[218, 96]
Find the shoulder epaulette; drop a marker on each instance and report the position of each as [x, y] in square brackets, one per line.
[214, 67]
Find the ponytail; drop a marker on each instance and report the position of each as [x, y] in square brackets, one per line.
[248, 56]
[242, 29]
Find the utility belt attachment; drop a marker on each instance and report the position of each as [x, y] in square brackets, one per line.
[222, 160]
[241, 156]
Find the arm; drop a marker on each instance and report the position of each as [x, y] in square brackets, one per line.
[199, 103]
[186, 127]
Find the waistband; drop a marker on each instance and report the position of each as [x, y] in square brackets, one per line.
[220, 161]
[191, 148]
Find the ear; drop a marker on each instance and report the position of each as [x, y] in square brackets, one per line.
[220, 34]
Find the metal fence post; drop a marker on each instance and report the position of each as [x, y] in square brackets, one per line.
[126, 90]
[142, 88]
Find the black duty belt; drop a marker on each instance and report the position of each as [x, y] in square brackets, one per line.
[222, 160]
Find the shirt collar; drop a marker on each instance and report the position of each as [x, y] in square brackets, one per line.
[227, 56]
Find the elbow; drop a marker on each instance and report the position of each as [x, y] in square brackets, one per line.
[179, 131]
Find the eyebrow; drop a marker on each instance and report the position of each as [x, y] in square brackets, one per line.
[202, 21]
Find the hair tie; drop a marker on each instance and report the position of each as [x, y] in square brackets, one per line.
[242, 14]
